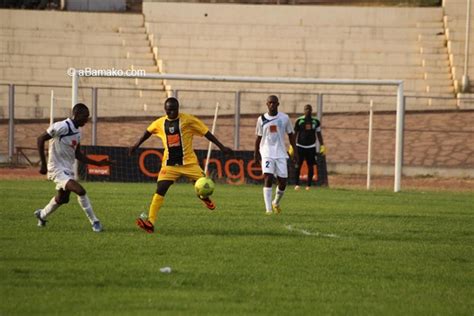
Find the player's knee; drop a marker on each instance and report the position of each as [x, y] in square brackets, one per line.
[81, 192]
[163, 186]
[282, 183]
[63, 199]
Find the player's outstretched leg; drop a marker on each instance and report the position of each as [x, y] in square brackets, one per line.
[86, 206]
[42, 214]
[41, 221]
[208, 202]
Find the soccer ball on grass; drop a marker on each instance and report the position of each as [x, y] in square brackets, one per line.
[204, 187]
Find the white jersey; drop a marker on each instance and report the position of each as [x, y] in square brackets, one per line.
[62, 146]
[273, 130]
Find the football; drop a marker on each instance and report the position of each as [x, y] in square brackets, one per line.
[204, 187]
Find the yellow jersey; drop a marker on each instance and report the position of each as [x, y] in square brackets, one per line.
[177, 137]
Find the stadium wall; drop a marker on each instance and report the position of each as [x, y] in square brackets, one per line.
[436, 143]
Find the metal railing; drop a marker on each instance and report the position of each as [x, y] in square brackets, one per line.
[318, 98]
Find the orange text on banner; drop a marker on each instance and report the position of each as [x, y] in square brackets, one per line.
[98, 170]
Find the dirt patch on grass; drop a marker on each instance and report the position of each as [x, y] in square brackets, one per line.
[9, 173]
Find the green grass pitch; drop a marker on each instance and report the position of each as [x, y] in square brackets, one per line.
[337, 252]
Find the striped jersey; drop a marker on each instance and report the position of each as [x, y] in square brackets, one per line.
[177, 137]
[273, 130]
[62, 147]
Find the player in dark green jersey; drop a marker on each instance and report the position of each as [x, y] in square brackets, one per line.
[307, 128]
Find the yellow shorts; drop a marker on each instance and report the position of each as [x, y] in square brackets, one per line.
[173, 173]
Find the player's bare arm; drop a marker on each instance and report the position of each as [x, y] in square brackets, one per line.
[40, 144]
[81, 157]
[226, 150]
[142, 139]
[292, 138]
[256, 154]
[320, 138]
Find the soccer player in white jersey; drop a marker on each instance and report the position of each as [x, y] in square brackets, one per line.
[270, 149]
[64, 148]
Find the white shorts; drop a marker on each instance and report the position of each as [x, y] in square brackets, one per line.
[61, 178]
[277, 167]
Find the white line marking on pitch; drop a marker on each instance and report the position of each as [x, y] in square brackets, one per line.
[308, 233]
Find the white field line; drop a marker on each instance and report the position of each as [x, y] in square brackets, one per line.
[308, 233]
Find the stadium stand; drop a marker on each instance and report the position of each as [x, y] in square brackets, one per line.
[305, 41]
[38, 47]
[455, 25]
[357, 42]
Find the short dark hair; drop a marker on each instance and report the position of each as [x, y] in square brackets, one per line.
[274, 97]
[79, 107]
[172, 101]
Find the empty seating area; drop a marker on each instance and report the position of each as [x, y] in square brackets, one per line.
[422, 46]
[38, 47]
[307, 42]
[455, 24]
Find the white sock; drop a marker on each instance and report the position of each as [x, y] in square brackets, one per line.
[267, 197]
[87, 207]
[278, 196]
[49, 208]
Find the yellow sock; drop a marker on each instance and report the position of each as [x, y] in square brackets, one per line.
[155, 206]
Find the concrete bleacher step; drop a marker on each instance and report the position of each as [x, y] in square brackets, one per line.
[67, 34]
[71, 49]
[84, 38]
[289, 43]
[458, 70]
[131, 30]
[286, 31]
[459, 37]
[455, 11]
[456, 47]
[443, 63]
[96, 64]
[323, 57]
[83, 41]
[457, 26]
[67, 61]
[99, 52]
[466, 100]
[64, 20]
[269, 55]
[295, 70]
[288, 15]
[180, 40]
[305, 66]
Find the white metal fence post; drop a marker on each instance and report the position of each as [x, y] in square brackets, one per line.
[11, 122]
[369, 149]
[399, 138]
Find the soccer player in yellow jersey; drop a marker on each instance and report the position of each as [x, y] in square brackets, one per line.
[176, 131]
